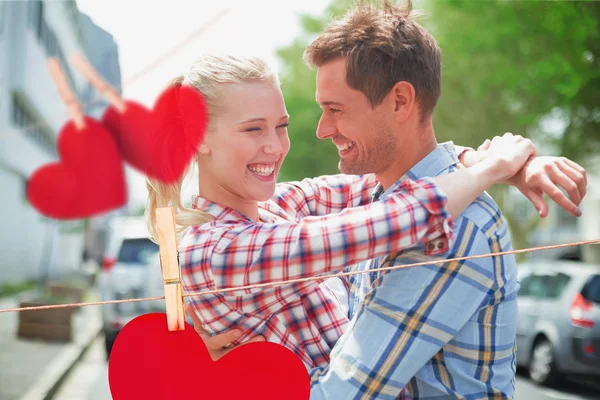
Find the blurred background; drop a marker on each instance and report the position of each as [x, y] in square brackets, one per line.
[527, 67]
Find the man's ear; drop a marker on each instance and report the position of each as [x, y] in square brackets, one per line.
[404, 98]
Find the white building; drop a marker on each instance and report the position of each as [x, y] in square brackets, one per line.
[102, 53]
[31, 115]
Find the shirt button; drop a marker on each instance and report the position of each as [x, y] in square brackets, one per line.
[431, 246]
[440, 245]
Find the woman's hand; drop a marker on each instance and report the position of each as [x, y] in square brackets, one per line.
[215, 344]
[506, 155]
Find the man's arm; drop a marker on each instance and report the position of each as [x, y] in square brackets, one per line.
[406, 319]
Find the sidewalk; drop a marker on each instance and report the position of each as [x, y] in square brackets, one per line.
[32, 369]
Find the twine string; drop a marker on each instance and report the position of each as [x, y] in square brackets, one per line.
[98, 98]
[311, 278]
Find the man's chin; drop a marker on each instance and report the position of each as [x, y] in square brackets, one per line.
[351, 169]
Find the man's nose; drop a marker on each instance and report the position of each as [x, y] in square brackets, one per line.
[326, 127]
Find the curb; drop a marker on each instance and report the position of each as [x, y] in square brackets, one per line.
[57, 371]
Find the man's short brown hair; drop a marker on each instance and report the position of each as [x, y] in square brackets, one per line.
[383, 47]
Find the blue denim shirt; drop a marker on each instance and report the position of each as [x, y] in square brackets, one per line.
[437, 331]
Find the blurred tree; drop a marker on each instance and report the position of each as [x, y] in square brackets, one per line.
[526, 67]
[531, 67]
[309, 156]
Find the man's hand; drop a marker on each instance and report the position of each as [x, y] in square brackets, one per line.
[215, 344]
[544, 175]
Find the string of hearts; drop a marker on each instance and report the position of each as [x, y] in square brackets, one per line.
[90, 176]
[141, 73]
[314, 278]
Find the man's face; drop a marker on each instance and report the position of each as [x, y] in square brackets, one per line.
[362, 134]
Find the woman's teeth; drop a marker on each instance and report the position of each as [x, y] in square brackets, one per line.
[345, 146]
[264, 170]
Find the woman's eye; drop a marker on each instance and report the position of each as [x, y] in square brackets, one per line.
[334, 110]
[254, 129]
[283, 125]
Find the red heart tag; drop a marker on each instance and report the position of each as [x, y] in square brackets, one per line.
[160, 143]
[88, 180]
[149, 362]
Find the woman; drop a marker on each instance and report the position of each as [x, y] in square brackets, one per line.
[245, 229]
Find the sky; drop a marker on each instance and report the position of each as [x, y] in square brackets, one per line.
[145, 30]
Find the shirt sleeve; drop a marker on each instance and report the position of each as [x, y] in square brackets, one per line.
[323, 195]
[406, 318]
[259, 253]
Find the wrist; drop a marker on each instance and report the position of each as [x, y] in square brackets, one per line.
[488, 173]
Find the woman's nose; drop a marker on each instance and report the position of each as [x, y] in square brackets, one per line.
[274, 146]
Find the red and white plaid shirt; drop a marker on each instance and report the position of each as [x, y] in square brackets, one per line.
[309, 228]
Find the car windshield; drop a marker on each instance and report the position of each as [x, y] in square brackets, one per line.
[137, 251]
[591, 290]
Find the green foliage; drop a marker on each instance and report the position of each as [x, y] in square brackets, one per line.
[309, 156]
[11, 289]
[509, 65]
[527, 67]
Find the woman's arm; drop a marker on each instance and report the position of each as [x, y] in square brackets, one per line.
[249, 254]
[322, 195]
[242, 255]
[505, 156]
[333, 193]
[226, 254]
[415, 212]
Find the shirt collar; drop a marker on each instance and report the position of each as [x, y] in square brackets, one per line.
[227, 213]
[216, 210]
[433, 164]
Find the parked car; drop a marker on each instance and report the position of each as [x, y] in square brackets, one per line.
[124, 274]
[558, 332]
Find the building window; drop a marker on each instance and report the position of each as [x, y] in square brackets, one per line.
[47, 37]
[28, 119]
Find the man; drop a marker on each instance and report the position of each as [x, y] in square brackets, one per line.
[444, 330]
[441, 331]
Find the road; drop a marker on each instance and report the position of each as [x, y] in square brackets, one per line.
[89, 381]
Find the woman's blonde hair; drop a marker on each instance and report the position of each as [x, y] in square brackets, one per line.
[207, 75]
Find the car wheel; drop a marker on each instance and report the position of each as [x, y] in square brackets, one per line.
[542, 367]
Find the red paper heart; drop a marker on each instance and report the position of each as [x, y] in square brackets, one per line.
[149, 362]
[160, 143]
[88, 180]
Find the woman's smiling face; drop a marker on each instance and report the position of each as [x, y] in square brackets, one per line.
[244, 152]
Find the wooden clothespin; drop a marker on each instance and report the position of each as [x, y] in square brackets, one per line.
[169, 264]
[65, 92]
[108, 92]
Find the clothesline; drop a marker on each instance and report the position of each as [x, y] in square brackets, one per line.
[312, 278]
